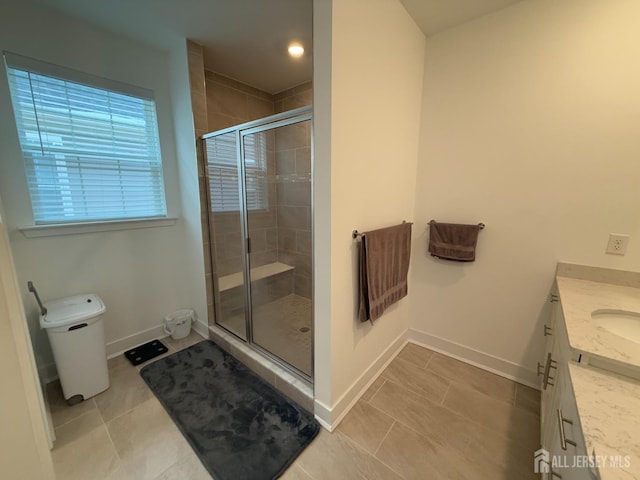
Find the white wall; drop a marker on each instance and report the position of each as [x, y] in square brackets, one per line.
[376, 81]
[531, 124]
[141, 274]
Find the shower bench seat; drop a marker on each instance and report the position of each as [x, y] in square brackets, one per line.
[227, 282]
[268, 283]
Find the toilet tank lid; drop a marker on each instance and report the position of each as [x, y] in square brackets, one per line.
[70, 310]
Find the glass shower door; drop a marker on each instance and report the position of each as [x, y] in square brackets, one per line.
[277, 172]
[223, 178]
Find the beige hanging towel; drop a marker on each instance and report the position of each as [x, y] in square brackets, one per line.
[384, 264]
[453, 241]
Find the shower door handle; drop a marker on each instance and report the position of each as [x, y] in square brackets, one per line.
[248, 245]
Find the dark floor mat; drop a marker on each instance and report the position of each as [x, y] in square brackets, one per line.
[240, 427]
[142, 353]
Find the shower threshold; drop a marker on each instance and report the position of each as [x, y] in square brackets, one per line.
[290, 384]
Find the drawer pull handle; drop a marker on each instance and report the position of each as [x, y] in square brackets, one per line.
[547, 331]
[563, 439]
[551, 363]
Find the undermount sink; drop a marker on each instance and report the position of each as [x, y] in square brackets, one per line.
[622, 323]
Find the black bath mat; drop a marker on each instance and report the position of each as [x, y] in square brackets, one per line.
[240, 427]
[147, 351]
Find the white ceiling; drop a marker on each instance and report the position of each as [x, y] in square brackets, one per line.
[433, 16]
[244, 39]
[247, 39]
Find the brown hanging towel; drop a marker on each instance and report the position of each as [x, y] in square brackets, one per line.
[384, 264]
[453, 241]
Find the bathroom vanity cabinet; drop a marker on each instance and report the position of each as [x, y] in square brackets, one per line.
[561, 431]
[590, 376]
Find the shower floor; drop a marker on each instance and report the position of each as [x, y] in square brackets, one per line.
[278, 328]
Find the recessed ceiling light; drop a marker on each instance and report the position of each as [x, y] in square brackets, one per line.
[296, 50]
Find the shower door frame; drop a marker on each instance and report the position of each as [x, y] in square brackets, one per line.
[271, 122]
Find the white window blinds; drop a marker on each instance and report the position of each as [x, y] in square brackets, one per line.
[90, 153]
[223, 172]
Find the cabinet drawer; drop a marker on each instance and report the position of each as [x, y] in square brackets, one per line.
[568, 412]
[565, 438]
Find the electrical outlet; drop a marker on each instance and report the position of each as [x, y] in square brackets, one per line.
[617, 244]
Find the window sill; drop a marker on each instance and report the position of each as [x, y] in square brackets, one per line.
[93, 227]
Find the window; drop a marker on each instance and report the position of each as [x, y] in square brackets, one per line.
[90, 145]
[223, 172]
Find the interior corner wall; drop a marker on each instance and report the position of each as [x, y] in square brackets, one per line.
[377, 56]
[141, 274]
[195, 295]
[530, 124]
[321, 168]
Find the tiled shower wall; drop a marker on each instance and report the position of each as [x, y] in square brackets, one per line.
[293, 166]
[282, 232]
[296, 97]
[231, 103]
[220, 102]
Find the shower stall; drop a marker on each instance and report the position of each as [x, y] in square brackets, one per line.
[258, 182]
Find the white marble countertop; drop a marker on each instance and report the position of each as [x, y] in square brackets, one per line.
[580, 297]
[609, 410]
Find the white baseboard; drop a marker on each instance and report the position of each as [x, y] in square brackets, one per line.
[329, 418]
[493, 364]
[201, 328]
[117, 347]
[322, 413]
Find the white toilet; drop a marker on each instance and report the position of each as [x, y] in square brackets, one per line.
[75, 329]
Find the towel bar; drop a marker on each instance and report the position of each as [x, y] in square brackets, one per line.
[481, 225]
[355, 234]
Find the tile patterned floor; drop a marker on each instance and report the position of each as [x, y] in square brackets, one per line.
[429, 416]
[426, 417]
